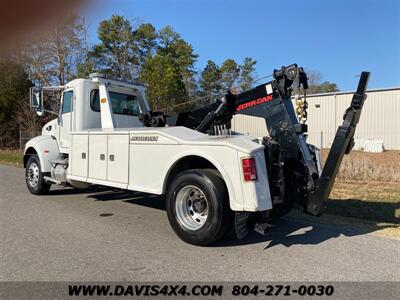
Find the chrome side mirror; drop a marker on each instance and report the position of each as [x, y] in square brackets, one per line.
[36, 100]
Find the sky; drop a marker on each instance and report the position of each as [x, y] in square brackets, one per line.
[338, 38]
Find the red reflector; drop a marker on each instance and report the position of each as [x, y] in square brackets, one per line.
[249, 169]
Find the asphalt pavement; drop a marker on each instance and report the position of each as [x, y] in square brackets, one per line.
[103, 234]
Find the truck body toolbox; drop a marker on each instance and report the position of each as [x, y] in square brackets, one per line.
[143, 165]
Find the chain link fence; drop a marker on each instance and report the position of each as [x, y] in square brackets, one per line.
[25, 136]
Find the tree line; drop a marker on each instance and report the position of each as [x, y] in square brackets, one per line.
[161, 58]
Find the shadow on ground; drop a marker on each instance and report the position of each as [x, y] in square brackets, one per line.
[72, 191]
[377, 211]
[143, 199]
[286, 232]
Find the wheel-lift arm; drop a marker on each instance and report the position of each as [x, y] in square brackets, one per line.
[342, 144]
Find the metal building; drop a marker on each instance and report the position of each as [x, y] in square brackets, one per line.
[380, 119]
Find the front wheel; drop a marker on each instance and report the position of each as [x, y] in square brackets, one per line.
[34, 177]
[198, 207]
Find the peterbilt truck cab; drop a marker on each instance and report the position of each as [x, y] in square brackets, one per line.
[80, 107]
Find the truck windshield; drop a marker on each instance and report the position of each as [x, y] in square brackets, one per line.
[121, 103]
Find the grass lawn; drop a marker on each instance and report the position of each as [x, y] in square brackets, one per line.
[370, 204]
[375, 201]
[11, 157]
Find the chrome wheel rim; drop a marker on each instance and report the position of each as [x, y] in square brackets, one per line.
[32, 175]
[191, 207]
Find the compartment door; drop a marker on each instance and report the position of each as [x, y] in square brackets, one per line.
[98, 156]
[79, 155]
[118, 158]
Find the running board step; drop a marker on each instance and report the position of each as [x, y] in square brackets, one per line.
[47, 178]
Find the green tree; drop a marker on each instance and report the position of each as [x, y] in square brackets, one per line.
[210, 81]
[246, 77]
[14, 86]
[122, 49]
[145, 41]
[230, 72]
[315, 86]
[165, 85]
[116, 53]
[171, 43]
[324, 87]
[87, 66]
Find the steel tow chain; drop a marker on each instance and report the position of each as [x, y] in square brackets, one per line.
[301, 107]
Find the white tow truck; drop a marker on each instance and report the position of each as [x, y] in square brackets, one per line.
[98, 139]
[214, 181]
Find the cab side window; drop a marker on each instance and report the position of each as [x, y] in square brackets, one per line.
[122, 104]
[67, 102]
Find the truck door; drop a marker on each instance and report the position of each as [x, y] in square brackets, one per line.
[65, 118]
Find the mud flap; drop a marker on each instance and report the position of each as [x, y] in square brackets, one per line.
[242, 226]
[342, 144]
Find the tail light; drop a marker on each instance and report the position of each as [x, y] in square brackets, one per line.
[249, 169]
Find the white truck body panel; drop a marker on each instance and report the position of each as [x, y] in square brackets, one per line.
[118, 158]
[143, 158]
[80, 145]
[97, 158]
[107, 116]
[46, 148]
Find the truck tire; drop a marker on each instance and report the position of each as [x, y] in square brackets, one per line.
[198, 207]
[34, 177]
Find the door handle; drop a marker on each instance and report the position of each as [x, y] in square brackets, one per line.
[102, 157]
[83, 155]
[111, 157]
